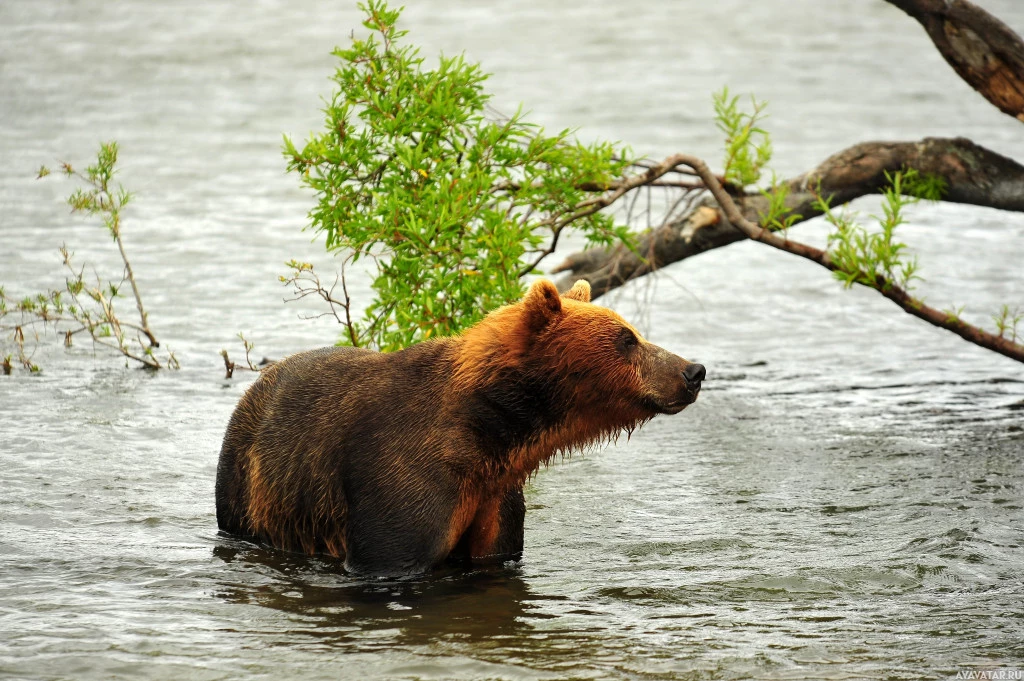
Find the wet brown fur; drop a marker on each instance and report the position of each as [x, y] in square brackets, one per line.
[599, 397]
[395, 462]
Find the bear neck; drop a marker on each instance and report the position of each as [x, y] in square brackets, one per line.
[522, 418]
[518, 404]
[512, 408]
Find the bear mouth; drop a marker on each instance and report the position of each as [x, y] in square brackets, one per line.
[679, 404]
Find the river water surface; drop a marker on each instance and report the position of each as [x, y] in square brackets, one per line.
[844, 501]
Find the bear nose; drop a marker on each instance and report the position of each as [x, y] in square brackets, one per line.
[694, 373]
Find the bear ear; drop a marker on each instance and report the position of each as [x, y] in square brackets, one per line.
[580, 291]
[542, 303]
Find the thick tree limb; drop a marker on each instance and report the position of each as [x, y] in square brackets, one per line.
[983, 50]
[889, 289]
[973, 175]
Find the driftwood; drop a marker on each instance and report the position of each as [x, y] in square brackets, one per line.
[973, 175]
[983, 50]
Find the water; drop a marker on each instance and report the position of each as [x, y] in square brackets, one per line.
[844, 501]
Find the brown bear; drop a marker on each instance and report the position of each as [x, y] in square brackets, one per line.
[395, 462]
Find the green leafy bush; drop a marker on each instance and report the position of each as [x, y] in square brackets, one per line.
[449, 204]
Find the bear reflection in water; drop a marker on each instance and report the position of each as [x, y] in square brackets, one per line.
[397, 462]
[471, 604]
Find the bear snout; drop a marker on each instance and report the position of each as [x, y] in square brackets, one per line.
[673, 381]
[694, 374]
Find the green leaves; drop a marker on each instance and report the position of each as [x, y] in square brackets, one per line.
[449, 205]
[748, 148]
[1007, 320]
[99, 196]
[877, 259]
[778, 217]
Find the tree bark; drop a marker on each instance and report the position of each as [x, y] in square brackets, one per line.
[973, 175]
[983, 50]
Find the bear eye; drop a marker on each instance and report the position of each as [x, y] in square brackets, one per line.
[627, 341]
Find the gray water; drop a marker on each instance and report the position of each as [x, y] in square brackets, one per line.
[844, 501]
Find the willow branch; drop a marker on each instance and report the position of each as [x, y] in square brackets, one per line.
[887, 288]
[135, 287]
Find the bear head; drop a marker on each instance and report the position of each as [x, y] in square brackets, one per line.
[594, 370]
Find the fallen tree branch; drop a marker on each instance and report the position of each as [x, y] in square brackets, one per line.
[983, 50]
[587, 207]
[972, 174]
[887, 288]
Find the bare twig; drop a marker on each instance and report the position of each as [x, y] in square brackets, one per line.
[135, 287]
[230, 366]
[306, 282]
[593, 205]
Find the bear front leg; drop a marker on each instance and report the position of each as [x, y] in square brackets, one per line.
[398, 529]
[395, 547]
[509, 542]
[496, 534]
